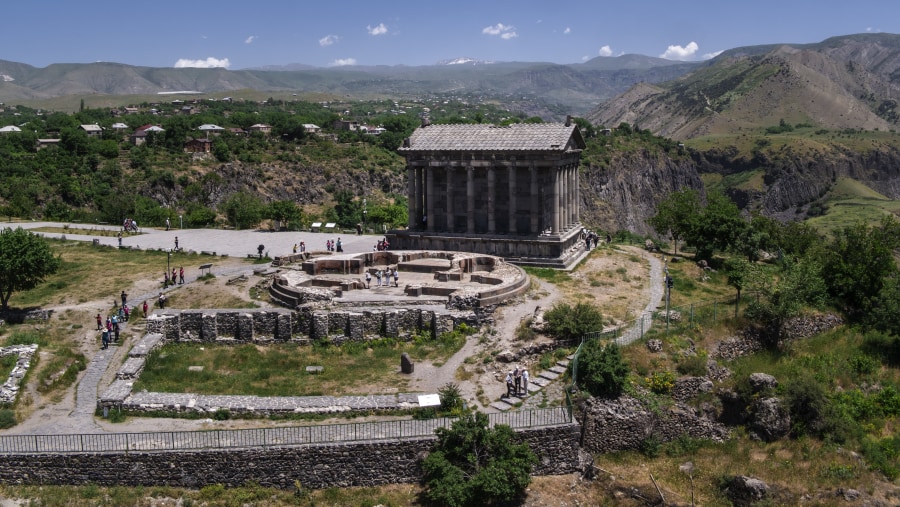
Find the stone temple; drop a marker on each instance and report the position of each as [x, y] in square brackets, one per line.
[509, 191]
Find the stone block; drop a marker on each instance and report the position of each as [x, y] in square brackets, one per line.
[208, 329]
[355, 326]
[337, 323]
[319, 326]
[244, 332]
[283, 327]
[406, 364]
[264, 324]
[392, 323]
[226, 324]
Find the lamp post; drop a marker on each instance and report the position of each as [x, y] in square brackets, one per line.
[365, 212]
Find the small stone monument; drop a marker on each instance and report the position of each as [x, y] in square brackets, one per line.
[406, 364]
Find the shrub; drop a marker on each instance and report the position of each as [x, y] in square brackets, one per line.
[808, 404]
[451, 397]
[7, 418]
[661, 382]
[601, 369]
[474, 464]
[565, 322]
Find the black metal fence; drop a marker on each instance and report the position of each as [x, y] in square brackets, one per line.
[264, 437]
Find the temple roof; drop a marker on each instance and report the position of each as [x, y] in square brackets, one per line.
[484, 137]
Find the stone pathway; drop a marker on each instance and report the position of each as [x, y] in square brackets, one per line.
[630, 335]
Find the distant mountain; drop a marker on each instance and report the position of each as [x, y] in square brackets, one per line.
[546, 89]
[851, 81]
[463, 61]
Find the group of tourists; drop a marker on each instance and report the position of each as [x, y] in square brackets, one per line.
[334, 246]
[176, 278]
[517, 382]
[302, 247]
[381, 246]
[591, 238]
[129, 225]
[110, 331]
[386, 275]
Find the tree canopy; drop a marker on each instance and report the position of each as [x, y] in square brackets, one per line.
[25, 261]
[474, 464]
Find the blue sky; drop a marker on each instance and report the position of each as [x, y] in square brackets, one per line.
[237, 35]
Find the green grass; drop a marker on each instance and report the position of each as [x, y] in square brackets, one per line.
[551, 275]
[89, 272]
[280, 370]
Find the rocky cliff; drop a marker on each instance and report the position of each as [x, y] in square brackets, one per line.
[623, 194]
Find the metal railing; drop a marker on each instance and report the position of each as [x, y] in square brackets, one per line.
[263, 437]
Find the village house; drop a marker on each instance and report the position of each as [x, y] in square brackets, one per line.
[92, 130]
[9, 129]
[260, 127]
[311, 128]
[198, 146]
[139, 136]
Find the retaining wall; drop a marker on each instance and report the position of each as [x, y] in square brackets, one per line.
[314, 466]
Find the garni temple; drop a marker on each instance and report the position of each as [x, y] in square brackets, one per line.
[510, 191]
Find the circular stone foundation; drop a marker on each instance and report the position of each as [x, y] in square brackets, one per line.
[459, 280]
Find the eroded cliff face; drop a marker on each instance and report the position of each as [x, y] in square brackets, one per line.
[625, 194]
[793, 178]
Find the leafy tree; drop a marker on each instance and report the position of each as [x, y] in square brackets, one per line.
[857, 263]
[243, 209]
[800, 285]
[601, 369]
[285, 212]
[738, 272]
[25, 261]
[474, 464]
[451, 397]
[718, 226]
[569, 323]
[885, 313]
[676, 214]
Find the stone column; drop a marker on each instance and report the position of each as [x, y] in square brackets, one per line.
[417, 225]
[449, 197]
[411, 194]
[577, 195]
[429, 198]
[564, 199]
[492, 199]
[535, 204]
[512, 199]
[554, 201]
[470, 200]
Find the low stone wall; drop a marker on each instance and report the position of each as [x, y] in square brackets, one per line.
[282, 325]
[313, 466]
[625, 424]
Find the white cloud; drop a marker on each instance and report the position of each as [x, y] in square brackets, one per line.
[567, 31]
[340, 62]
[712, 55]
[585, 58]
[328, 40]
[249, 40]
[675, 52]
[377, 30]
[209, 63]
[873, 30]
[605, 51]
[505, 32]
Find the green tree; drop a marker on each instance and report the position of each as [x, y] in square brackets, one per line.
[25, 261]
[676, 214]
[601, 369]
[738, 272]
[718, 226]
[243, 209]
[780, 298]
[286, 212]
[857, 263]
[474, 464]
[569, 323]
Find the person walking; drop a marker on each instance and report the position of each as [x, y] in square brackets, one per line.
[517, 376]
[378, 277]
[161, 301]
[145, 308]
[295, 248]
[115, 321]
[119, 237]
[104, 339]
[181, 275]
[166, 281]
[368, 283]
[509, 384]
[176, 243]
[396, 278]
[168, 224]
[99, 322]
[525, 381]
[124, 298]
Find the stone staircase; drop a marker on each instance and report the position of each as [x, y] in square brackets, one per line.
[535, 384]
